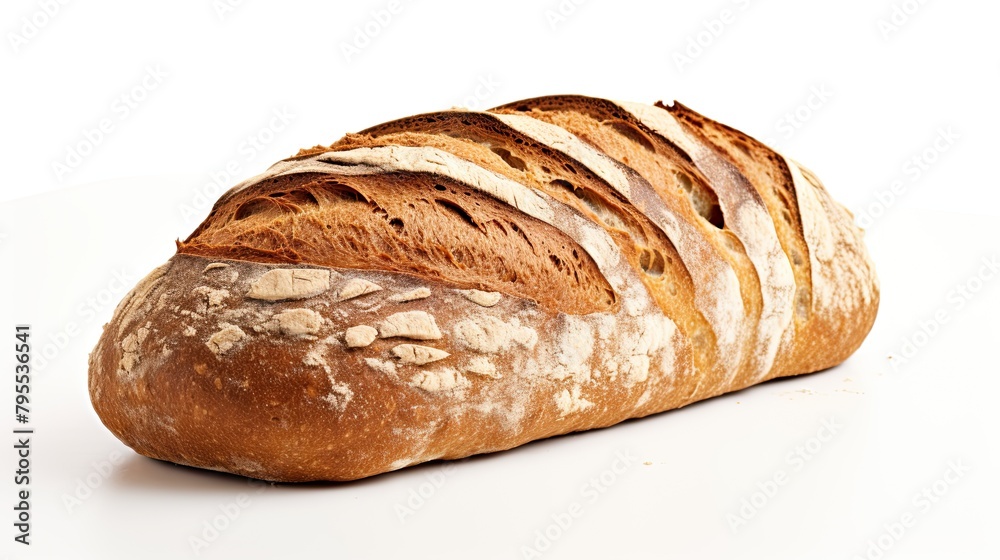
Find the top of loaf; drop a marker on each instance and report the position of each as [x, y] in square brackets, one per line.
[582, 205]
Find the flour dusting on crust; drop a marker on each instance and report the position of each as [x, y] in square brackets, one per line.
[488, 334]
[569, 401]
[290, 283]
[485, 299]
[440, 380]
[357, 287]
[411, 295]
[360, 336]
[131, 352]
[225, 339]
[418, 325]
[418, 355]
[299, 322]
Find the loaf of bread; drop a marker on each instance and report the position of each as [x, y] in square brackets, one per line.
[465, 282]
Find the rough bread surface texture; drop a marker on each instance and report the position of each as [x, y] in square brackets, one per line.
[465, 282]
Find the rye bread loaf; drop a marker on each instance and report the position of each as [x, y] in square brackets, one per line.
[465, 282]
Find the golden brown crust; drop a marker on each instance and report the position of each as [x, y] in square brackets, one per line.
[460, 283]
[198, 373]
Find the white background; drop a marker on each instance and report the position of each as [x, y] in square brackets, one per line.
[855, 90]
